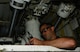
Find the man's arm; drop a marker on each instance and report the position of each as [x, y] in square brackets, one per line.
[59, 43]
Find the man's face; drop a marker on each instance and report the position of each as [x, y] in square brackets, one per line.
[47, 31]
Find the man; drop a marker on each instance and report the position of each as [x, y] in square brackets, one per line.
[51, 39]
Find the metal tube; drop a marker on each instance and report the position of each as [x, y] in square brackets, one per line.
[12, 23]
[55, 26]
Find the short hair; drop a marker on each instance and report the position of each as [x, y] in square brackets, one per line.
[43, 24]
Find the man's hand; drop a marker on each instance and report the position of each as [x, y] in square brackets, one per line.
[35, 41]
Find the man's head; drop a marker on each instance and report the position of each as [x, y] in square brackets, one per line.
[47, 31]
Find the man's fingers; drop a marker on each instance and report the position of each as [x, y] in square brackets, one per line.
[32, 41]
[35, 41]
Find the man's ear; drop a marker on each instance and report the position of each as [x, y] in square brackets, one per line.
[52, 28]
